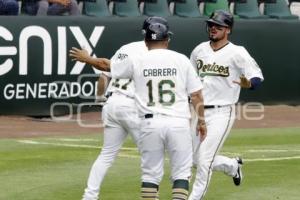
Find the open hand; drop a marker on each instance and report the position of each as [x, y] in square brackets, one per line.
[202, 130]
[244, 82]
[79, 54]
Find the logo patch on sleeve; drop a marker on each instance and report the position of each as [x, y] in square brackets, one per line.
[122, 56]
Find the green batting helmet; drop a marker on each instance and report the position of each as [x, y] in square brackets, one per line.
[222, 18]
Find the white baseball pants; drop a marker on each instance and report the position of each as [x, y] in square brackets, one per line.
[120, 118]
[162, 133]
[219, 122]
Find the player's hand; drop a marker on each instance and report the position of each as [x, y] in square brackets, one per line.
[244, 82]
[202, 130]
[79, 54]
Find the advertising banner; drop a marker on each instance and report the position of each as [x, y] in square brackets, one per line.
[37, 76]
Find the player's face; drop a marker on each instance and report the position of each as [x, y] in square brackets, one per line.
[216, 32]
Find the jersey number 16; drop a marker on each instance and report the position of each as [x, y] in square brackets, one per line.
[162, 93]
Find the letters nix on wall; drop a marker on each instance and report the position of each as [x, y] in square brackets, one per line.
[35, 68]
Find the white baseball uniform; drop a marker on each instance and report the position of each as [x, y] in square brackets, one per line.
[163, 80]
[217, 71]
[120, 118]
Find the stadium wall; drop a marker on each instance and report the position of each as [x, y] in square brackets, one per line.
[39, 79]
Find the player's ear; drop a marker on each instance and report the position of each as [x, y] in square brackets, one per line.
[228, 30]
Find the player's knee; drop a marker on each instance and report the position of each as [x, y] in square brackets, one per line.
[205, 162]
[180, 189]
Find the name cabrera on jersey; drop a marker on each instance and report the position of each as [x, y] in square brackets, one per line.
[163, 80]
[126, 86]
[218, 69]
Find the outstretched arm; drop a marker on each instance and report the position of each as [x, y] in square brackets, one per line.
[82, 55]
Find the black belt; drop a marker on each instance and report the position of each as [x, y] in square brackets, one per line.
[147, 116]
[212, 106]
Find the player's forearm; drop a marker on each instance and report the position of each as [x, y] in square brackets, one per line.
[197, 102]
[102, 64]
[102, 84]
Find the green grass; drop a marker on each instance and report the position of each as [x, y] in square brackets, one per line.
[53, 172]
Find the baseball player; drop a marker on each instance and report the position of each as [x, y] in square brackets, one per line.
[163, 80]
[224, 68]
[119, 113]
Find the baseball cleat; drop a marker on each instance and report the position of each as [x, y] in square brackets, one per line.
[237, 179]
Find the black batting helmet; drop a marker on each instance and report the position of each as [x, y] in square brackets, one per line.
[157, 32]
[222, 18]
[153, 20]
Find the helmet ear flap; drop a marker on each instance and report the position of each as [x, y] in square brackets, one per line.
[207, 28]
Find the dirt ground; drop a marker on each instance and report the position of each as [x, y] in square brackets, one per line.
[87, 123]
